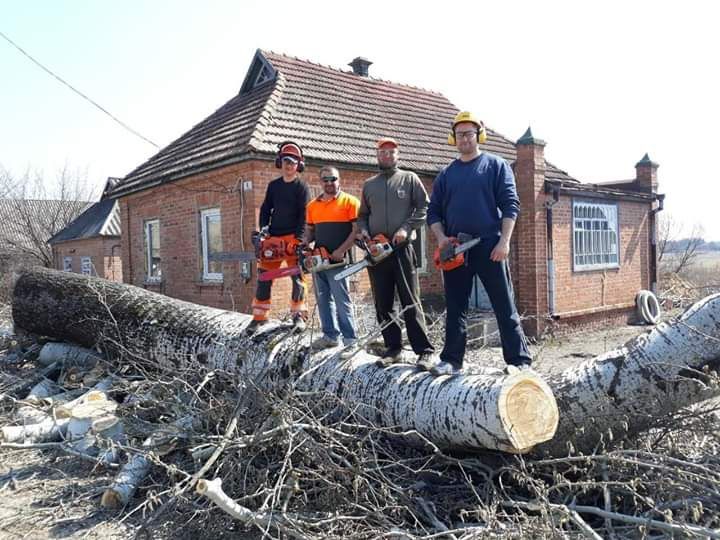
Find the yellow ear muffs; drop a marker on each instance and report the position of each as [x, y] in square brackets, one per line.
[482, 135]
[451, 138]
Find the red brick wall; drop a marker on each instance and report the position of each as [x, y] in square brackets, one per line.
[104, 253]
[530, 238]
[178, 205]
[598, 289]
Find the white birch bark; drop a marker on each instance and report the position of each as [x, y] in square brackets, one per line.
[510, 413]
[626, 391]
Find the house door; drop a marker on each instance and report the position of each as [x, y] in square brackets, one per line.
[478, 296]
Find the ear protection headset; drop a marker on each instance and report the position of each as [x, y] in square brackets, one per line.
[465, 116]
[292, 149]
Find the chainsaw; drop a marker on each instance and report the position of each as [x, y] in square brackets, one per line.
[309, 260]
[378, 249]
[452, 255]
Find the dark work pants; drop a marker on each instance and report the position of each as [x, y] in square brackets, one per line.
[398, 273]
[495, 277]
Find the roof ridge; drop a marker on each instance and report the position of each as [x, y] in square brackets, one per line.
[268, 109]
[350, 72]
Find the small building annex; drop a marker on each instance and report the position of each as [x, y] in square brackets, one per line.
[90, 244]
[580, 252]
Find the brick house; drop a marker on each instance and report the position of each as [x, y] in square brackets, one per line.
[90, 244]
[201, 194]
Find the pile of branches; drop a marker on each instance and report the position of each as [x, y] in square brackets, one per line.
[310, 468]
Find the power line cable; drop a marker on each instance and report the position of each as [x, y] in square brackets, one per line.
[78, 92]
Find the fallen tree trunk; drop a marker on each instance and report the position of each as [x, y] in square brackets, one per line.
[626, 391]
[510, 413]
[616, 394]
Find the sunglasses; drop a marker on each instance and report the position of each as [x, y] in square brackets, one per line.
[329, 178]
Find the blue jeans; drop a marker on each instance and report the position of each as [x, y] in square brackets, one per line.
[495, 277]
[333, 299]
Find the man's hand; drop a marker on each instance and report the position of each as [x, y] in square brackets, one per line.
[442, 241]
[337, 255]
[501, 250]
[363, 234]
[400, 236]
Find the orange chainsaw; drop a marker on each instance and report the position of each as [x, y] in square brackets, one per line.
[452, 255]
[309, 260]
[378, 249]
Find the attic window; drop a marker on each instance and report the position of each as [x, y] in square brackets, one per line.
[260, 72]
[264, 75]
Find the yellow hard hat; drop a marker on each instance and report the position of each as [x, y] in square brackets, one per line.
[466, 116]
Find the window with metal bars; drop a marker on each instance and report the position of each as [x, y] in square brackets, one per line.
[595, 236]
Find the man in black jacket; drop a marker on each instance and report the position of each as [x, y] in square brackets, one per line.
[283, 213]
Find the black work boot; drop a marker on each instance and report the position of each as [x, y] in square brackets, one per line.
[389, 357]
[254, 326]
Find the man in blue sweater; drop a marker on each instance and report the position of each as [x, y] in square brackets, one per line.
[475, 194]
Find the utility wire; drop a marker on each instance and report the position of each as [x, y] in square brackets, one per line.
[78, 92]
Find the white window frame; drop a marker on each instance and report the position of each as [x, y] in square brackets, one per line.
[205, 217]
[595, 235]
[67, 264]
[86, 266]
[148, 252]
[422, 257]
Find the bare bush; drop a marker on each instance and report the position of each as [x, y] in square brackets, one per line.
[34, 209]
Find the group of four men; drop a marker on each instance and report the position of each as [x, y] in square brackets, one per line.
[475, 194]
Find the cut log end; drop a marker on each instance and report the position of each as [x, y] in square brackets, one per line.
[528, 410]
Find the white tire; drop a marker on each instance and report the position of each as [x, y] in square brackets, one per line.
[648, 307]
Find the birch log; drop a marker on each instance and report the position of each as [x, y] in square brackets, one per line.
[625, 391]
[510, 413]
[619, 393]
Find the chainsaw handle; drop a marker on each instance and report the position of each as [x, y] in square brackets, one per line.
[447, 252]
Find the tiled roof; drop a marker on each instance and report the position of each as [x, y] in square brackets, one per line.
[334, 115]
[100, 219]
[25, 223]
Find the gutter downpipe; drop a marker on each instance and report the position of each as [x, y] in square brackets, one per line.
[653, 242]
[549, 203]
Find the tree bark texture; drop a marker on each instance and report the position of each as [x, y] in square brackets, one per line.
[626, 391]
[617, 394]
[510, 413]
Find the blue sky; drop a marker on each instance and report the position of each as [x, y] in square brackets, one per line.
[602, 83]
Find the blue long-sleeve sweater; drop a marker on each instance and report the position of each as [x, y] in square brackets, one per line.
[473, 197]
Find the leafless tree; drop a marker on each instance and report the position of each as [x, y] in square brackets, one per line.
[671, 231]
[36, 208]
[668, 229]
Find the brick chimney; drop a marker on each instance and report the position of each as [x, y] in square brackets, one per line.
[646, 174]
[360, 66]
[531, 233]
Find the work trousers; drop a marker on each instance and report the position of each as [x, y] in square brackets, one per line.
[261, 304]
[495, 277]
[333, 301]
[398, 274]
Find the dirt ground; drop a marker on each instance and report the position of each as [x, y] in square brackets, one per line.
[47, 494]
